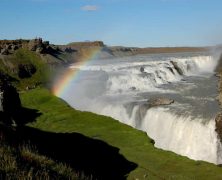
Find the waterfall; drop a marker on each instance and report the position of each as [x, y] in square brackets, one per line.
[128, 83]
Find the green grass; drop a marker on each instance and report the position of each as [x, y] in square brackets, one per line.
[134, 145]
[10, 65]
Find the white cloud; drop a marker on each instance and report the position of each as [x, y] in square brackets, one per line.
[90, 8]
[39, 0]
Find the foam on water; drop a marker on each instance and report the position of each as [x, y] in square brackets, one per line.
[148, 75]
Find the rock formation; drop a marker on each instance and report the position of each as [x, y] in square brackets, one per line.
[142, 69]
[10, 103]
[26, 70]
[37, 45]
[9, 46]
[178, 69]
[218, 129]
[85, 44]
[218, 119]
[160, 101]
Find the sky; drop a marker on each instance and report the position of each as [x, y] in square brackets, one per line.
[135, 23]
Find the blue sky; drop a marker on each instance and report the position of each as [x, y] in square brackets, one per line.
[142, 23]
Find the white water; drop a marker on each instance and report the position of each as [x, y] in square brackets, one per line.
[183, 135]
[120, 88]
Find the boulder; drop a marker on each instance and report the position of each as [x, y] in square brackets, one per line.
[10, 103]
[160, 101]
[133, 88]
[142, 69]
[10, 98]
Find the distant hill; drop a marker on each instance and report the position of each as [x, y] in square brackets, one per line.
[78, 49]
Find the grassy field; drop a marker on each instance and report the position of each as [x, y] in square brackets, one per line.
[149, 163]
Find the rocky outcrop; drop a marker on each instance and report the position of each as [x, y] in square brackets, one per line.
[142, 69]
[10, 103]
[86, 44]
[160, 101]
[26, 70]
[69, 50]
[178, 69]
[37, 45]
[219, 65]
[9, 46]
[219, 97]
[218, 121]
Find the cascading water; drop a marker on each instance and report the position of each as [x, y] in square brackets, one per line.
[121, 88]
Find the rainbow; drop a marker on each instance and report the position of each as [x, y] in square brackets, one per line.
[62, 84]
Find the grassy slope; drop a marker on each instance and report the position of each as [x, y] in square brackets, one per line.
[133, 144]
[23, 162]
[22, 56]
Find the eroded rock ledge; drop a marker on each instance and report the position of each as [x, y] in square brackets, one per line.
[160, 101]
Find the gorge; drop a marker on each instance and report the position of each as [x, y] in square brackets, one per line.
[123, 88]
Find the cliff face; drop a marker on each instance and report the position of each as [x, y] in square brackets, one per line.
[37, 45]
[218, 119]
[86, 44]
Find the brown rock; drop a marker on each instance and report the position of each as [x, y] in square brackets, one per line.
[34, 44]
[218, 129]
[160, 101]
